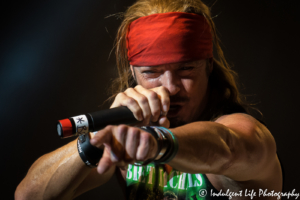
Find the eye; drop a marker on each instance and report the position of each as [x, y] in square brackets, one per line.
[148, 72]
[186, 68]
[186, 71]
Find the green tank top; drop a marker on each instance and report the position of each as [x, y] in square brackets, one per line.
[152, 182]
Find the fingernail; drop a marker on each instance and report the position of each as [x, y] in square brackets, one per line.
[100, 170]
[165, 108]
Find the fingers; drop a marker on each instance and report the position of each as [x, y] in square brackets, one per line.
[164, 96]
[163, 121]
[146, 104]
[132, 143]
[103, 136]
[123, 100]
[113, 138]
[151, 101]
[117, 144]
[147, 147]
[124, 145]
[105, 162]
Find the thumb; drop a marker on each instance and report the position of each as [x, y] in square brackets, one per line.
[102, 137]
[163, 121]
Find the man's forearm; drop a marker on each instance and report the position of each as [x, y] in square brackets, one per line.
[202, 148]
[210, 147]
[54, 175]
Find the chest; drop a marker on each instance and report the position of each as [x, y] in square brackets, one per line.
[153, 182]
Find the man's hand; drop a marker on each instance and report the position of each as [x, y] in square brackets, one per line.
[147, 105]
[126, 144]
[123, 145]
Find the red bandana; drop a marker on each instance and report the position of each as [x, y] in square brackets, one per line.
[168, 38]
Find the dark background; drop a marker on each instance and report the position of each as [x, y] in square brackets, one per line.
[55, 64]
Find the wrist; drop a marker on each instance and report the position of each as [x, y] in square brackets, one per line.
[167, 145]
[172, 146]
[88, 153]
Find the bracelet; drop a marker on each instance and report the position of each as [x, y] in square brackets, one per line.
[88, 153]
[166, 143]
[173, 148]
[158, 138]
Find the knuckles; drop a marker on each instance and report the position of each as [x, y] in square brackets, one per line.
[129, 90]
[134, 132]
[121, 130]
[122, 127]
[156, 112]
[145, 137]
[162, 89]
[143, 100]
[141, 149]
[153, 95]
[109, 127]
[120, 95]
[130, 100]
[138, 87]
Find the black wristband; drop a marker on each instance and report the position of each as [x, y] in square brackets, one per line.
[88, 153]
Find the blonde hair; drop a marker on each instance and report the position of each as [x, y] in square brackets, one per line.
[224, 90]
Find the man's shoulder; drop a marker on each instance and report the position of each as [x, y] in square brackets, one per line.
[241, 120]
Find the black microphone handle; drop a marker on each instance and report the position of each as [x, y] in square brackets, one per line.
[113, 116]
[94, 121]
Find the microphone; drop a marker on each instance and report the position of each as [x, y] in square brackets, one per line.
[94, 121]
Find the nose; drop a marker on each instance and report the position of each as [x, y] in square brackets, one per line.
[171, 82]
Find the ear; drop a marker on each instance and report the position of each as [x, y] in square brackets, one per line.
[132, 72]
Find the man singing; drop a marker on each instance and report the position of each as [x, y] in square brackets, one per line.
[195, 136]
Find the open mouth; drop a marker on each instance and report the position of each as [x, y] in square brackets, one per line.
[174, 110]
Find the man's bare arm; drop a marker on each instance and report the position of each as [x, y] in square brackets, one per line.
[236, 146]
[60, 174]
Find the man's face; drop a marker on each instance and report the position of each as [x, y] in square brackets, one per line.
[187, 84]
